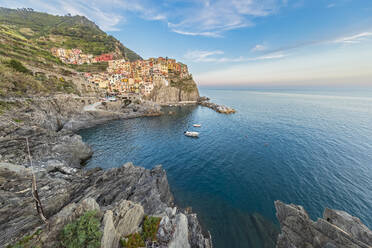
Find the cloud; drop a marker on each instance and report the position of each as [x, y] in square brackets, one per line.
[270, 56]
[349, 67]
[108, 14]
[105, 19]
[206, 34]
[103, 14]
[354, 39]
[202, 56]
[213, 56]
[215, 17]
[331, 5]
[209, 18]
[347, 39]
[258, 48]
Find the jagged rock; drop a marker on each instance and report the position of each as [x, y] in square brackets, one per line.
[167, 226]
[196, 237]
[64, 147]
[110, 238]
[68, 214]
[65, 189]
[149, 188]
[128, 217]
[181, 233]
[349, 223]
[165, 230]
[337, 229]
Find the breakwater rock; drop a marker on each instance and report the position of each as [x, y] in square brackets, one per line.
[204, 101]
[335, 229]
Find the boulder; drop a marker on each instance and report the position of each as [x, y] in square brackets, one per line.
[110, 238]
[181, 233]
[128, 217]
[337, 229]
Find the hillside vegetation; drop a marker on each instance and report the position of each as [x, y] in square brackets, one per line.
[47, 31]
[26, 38]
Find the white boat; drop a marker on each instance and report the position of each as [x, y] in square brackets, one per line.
[196, 125]
[191, 134]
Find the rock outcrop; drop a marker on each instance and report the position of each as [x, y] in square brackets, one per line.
[178, 90]
[48, 124]
[204, 101]
[121, 195]
[335, 229]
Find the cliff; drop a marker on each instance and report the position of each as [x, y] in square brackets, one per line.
[122, 197]
[178, 90]
[336, 229]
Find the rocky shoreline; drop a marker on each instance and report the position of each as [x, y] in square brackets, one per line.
[122, 197]
[66, 190]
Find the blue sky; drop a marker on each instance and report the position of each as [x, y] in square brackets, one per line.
[237, 42]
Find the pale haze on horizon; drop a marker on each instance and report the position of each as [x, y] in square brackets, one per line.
[239, 42]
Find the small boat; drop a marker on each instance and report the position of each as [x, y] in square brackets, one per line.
[191, 134]
[196, 125]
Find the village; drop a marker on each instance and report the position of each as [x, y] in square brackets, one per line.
[123, 77]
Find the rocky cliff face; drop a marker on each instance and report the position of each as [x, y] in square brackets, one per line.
[125, 194]
[122, 196]
[178, 90]
[335, 229]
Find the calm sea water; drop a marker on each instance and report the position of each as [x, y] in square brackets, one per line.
[303, 147]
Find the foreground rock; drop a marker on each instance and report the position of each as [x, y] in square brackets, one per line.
[335, 229]
[121, 195]
[204, 101]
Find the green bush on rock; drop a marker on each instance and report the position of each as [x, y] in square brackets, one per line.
[134, 240]
[28, 241]
[83, 232]
[150, 228]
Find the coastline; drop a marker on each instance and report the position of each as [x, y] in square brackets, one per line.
[64, 185]
[66, 189]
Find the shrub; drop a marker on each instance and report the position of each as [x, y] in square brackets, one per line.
[150, 228]
[83, 232]
[18, 66]
[134, 240]
[27, 241]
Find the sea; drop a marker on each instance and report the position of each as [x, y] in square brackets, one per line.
[303, 146]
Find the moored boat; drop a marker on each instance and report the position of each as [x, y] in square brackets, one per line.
[191, 134]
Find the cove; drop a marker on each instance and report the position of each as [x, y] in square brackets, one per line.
[308, 148]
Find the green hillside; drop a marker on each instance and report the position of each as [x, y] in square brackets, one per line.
[26, 38]
[47, 31]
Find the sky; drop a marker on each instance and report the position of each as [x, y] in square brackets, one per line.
[240, 42]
